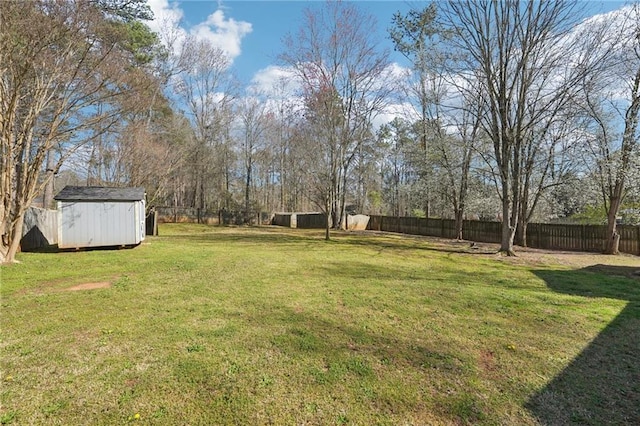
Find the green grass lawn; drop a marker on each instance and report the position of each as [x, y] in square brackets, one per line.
[206, 326]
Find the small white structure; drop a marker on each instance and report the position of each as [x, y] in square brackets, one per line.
[357, 222]
[91, 216]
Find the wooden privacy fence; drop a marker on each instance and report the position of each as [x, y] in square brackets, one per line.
[210, 217]
[539, 235]
[316, 220]
[300, 220]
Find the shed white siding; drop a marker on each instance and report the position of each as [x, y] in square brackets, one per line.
[103, 223]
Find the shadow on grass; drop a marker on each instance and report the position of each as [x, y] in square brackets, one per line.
[367, 239]
[253, 235]
[54, 249]
[602, 384]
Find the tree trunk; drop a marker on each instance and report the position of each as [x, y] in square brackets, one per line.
[506, 243]
[521, 232]
[343, 201]
[327, 229]
[427, 205]
[13, 242]
[247, 194]
[47, 199]
[508, 231]
[459, 213]
[612, 241]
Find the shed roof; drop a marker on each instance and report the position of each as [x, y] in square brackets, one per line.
[99, 193]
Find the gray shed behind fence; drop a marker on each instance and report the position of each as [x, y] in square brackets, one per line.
[91, 216]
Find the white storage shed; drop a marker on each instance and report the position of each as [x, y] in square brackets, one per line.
[91, 216]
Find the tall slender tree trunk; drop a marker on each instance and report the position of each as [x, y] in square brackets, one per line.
[508, 230]
[327, 228]
[506, 241]
[459, 214]
[629, 143]
[521, 232]
[247, 193]
[343, 200]
[521, 228]
[47, 199]
[612, 242]
[282, 181]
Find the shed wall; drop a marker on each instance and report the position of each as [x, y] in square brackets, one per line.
[96, 224]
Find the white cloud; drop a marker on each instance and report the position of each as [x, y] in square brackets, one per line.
[275, 81]
[279, 83]
[223, 32]
[164, 13]
[395, 110]
[398, 71]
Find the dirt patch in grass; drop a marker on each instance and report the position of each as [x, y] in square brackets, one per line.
[487, 361]
[533, 256]
[529, 256]
[89, 286]
[59, 286]
[575, 260]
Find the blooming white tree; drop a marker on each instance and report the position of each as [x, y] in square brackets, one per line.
[611, 104]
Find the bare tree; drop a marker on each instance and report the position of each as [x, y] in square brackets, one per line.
[342, 70]
[253, 115]
[527, 70]
[206, 89]
[397, 166]
[455, 155]
[58, 62]
[546, 163]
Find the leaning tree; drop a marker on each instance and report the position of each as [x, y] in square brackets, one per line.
[611, 105]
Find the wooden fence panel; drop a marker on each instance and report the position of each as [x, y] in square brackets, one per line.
[281, 219]
[375, 223]
[539, 235]
[434, 227]
[422, 225]
[593, 238]
[533, 234]
[481, 231]
[311, 220]
[449, 228]
[629, 239]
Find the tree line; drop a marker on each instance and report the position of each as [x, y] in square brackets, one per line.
[510, 111]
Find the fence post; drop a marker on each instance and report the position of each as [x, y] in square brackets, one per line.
[638, 229]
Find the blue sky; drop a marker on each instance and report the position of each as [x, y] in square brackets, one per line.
[271, 20]
[252, 31]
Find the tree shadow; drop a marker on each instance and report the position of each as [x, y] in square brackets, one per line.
[602, 384]
[380, 242]
[236, 235]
